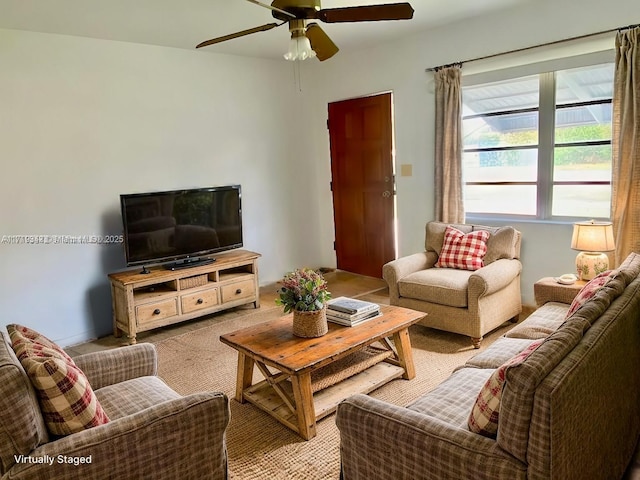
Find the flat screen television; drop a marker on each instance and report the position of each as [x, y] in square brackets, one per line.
[181, 226]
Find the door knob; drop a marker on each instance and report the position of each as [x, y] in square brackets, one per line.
[386, 194]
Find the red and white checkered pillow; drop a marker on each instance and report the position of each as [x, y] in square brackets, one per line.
[67, 401]
[486, 409]
[463, 251]
[589, 290]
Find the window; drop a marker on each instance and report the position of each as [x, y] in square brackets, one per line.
[540, 145]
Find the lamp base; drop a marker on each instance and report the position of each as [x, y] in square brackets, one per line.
[591, 264]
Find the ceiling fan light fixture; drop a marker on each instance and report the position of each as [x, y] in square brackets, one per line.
[299, 49]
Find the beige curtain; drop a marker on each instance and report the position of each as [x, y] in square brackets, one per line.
[448, 154]
[625, 188]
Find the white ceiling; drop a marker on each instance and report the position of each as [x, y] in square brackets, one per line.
[185, 23]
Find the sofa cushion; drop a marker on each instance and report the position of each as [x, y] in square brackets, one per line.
[463, 251]
[589, 290]
[452, 400]
[67, 401]
[484, 415]
[503, 349]
[444, 286]
[541, 323]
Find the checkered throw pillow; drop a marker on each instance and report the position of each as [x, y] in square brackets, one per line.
[463, 251]
[589, 290]
[486, 409]
[67, 401]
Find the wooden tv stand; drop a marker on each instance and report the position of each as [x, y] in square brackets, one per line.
[144, 301]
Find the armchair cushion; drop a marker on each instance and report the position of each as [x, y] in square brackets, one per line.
[126, 398]
[67, 401]
[444, 286]
[463, 251]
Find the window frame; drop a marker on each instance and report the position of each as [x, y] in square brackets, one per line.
[546, 145]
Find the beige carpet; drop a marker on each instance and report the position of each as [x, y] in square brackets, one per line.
[261, 448]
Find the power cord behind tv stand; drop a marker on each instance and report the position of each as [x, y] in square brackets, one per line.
[189, 262]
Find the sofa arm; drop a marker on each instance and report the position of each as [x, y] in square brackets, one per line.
[395, 270]
[493, 277]
[380, 441]
[109, 367]
[182, 438]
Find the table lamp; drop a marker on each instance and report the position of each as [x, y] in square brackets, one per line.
[592, 239]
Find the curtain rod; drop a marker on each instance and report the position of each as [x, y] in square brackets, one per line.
[517, 50]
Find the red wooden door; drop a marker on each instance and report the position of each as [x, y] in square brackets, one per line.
[361, 140]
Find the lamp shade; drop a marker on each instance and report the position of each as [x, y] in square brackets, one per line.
[593, 237]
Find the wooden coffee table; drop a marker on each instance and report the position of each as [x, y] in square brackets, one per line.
[306, 378]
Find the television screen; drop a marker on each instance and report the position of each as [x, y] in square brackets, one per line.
[181, 224]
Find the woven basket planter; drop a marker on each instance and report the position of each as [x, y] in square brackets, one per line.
[310, 324]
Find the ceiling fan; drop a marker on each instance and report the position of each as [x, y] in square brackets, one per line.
[307, 38]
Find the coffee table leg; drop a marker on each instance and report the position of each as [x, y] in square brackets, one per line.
[405, 356]
[303, 396]
[244, 376]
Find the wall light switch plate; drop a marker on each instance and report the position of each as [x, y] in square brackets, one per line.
[406, 170]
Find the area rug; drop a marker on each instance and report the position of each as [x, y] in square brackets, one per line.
[259, 447]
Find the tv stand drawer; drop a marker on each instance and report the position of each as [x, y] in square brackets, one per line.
[238, 290]
[199, 300]
[156, 310]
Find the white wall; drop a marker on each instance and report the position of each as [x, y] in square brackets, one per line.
[400, 68]
[82, 121]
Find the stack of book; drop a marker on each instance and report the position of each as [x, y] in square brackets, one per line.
[350, 312]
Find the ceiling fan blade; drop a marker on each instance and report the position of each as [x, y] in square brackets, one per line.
[368, 13]
[270, 7]
[249, 31]
[320, 42]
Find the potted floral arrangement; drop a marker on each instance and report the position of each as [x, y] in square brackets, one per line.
[304, 292]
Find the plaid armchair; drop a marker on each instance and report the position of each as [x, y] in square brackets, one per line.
[153, 431]
[461, 301]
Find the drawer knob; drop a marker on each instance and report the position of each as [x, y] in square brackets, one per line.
[156, 311]
[199, 301]
[238, 291]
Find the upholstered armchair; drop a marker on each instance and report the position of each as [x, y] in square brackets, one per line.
[152, 432]
[471, 301]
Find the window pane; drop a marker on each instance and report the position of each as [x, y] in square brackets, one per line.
[582, 84]
[591, 201]
[582, 164]
[515, 129]
[500, 96]
[513, 199]
[501, 166]
[575, 124]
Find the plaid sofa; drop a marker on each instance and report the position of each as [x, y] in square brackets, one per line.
[570, 410]
[153, 433]
[467, 302]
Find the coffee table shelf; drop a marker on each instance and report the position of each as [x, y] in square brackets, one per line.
[325, 401]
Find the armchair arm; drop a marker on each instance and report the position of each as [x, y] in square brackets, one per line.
[182, 438]
[395, 270]
[379, 441]
[118, 365]
[493, 277]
